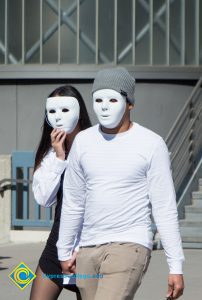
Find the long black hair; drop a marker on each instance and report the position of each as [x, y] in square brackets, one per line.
[84, 121]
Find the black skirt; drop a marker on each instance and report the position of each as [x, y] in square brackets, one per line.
[48, 262]
[50, 265]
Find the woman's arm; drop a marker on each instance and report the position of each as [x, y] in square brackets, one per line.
[46, 179]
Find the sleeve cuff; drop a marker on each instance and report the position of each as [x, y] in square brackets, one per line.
[58, 166]
[176, 267]
[64, 255]
[76, 248]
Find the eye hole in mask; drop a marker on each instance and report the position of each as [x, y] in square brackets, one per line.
[52, 111]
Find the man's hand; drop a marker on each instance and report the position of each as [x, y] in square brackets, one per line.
[69, 266]
[175, 286]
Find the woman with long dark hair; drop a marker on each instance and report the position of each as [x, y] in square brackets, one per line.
[65, 116]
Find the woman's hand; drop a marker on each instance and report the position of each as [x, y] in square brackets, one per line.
[57, 141]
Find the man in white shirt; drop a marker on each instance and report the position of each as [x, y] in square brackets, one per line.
[118, 173]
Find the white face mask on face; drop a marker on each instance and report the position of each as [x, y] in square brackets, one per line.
[63, 112]
[109, 106]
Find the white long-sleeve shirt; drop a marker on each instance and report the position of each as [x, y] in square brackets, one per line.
[110, 187]
[46, 179]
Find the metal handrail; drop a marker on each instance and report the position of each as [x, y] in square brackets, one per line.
[186, 105]
[10, 185]
[188, 131]
[185, 135]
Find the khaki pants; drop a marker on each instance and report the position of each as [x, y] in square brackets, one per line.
[121, 267]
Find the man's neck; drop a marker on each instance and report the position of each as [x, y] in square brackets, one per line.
[119, 129]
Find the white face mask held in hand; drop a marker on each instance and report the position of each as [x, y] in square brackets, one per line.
[109, 106]
[62, 112]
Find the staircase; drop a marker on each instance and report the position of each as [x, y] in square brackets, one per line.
[191, 226]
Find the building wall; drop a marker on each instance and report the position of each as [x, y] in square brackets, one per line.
[22, 109]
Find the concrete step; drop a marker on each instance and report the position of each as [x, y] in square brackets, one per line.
[197, 202]
[187, 223]
[191, 226]
[192, 232]
[197, 195]
[187, 245]
[193, 209]
[193, 213]
[193, 217]
[192, 239]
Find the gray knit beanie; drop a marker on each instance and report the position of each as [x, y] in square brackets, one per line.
[117, 79]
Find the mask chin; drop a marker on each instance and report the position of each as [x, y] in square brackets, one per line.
[112, 123]
[68, 130]
[109, 125]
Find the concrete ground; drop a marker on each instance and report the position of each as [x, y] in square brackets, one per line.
[154, 285]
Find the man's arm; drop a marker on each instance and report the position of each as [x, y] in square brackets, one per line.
[164, 209]
[74, 190]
